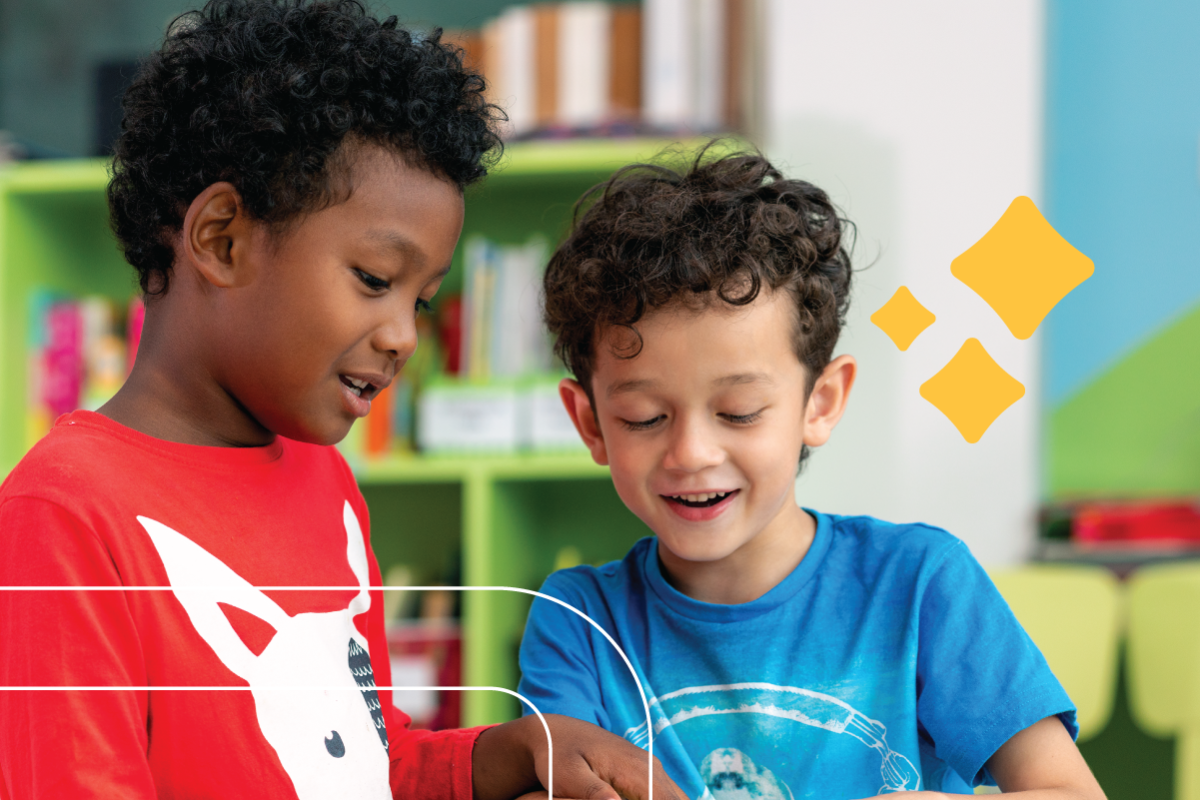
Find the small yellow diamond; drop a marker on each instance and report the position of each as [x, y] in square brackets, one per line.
[1022, 267]
[972, 390]
[903, 318]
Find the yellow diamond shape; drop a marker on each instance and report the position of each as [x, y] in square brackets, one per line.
[1022, 267]
[903, 318]
[972, 390]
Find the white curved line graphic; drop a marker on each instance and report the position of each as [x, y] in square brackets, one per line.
[531, 592]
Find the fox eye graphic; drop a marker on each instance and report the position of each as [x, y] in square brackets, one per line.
[335, 745]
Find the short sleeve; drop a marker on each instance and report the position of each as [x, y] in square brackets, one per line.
[558, 664]
[77, 744]
[980, 678]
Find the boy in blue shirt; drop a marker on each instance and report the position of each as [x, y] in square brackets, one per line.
[784, 653]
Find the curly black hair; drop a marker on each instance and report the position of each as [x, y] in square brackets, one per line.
[719, 231]
[263, 93]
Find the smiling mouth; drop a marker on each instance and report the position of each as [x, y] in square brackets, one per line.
[359, 388]
[699, 500]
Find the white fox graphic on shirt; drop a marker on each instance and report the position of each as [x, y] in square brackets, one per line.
[313, 689]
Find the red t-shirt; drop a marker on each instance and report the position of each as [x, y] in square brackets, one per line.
[98, 504]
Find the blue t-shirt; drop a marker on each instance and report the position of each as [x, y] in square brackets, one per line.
[886, 661]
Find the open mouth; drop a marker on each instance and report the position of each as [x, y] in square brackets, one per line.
[705, 500]
[359, 388]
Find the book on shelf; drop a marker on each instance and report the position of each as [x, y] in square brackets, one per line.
[668, 65]
[80, 350]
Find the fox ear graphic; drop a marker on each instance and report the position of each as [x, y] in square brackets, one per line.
[201, 582]
[356, 554]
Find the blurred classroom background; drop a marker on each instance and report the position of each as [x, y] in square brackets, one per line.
[924, 120]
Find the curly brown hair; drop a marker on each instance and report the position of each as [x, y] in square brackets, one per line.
[264, 94]
[652, 236]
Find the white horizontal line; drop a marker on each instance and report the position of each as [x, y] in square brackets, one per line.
[190, 588]
[249, 688]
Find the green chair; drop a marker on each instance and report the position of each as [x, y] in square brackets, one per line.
[1073, 615]
[1163, 659]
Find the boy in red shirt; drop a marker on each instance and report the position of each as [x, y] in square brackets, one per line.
[288, 187]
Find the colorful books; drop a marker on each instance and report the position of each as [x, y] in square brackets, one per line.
[80, 352]
[502, 334]
[582, 67]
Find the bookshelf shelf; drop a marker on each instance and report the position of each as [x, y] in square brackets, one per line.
[484, 521]
[434, 469]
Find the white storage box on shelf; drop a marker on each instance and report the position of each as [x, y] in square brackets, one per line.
[498, 417]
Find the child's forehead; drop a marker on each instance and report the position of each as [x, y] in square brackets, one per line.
[700, 328]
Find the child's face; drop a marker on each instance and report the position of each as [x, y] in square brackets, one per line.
[327, 314]
[703, 428]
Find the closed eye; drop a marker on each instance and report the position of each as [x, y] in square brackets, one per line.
[423, 306]
[642, 425]
[743, 419]
[372, 282]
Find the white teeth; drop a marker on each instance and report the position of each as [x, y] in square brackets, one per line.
[357, 383]
[700, 498]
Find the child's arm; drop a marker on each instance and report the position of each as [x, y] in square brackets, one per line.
[1038, 763]
[590, 763]
[1042, 762]
[80, 744]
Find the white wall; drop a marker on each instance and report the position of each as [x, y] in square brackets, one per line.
[923, 120]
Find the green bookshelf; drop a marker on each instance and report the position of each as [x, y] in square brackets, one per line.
[497, 521]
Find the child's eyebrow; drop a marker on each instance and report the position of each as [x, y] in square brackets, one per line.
[406, 248]
[398, 242]
[636, 385]
[737, 379]
[740, 378]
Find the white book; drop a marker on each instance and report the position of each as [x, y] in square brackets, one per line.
[584, 31]
[668, 40]
[505, 334]
[518, 63]
[535, 341]
[709, 63]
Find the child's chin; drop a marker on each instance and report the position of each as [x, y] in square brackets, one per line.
[327, 434]
[699, 552]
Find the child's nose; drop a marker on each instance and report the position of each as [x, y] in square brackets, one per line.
[693, 446]
[397, 336]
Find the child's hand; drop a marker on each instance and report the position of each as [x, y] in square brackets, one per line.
[590, 763]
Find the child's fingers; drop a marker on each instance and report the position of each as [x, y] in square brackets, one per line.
[628, 777]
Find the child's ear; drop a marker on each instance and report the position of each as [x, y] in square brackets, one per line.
[827, 402]
[580, 408]
[216, 236]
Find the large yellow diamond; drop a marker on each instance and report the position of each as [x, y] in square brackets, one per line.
[972, 390]
[903, 318]
[1022, 267]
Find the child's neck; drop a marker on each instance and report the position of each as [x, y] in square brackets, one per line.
[754, 569]
[171, 395]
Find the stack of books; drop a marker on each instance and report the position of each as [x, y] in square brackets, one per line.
[80, 352]
[674, 66]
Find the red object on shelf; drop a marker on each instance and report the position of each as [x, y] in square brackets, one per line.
[1147, 523]
[421, 650]
[450, 332]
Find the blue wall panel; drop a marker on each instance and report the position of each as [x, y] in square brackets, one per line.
[1122, 175]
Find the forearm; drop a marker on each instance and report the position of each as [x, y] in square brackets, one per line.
[502, 762]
